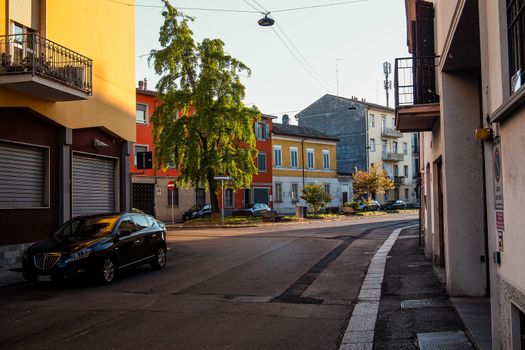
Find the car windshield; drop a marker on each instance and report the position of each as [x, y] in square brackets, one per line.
[87, 227]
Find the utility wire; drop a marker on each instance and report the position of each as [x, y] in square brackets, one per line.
[327, 84]
[317, 6]
[261, 6]
[298, 60]
[265, 12]
[253, 7]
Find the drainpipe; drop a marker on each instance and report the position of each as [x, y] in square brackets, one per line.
[302, 152]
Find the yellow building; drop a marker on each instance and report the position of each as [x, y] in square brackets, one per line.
[67, 108]
[302, 156]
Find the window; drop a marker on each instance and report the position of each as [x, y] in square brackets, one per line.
[516, 38]
[383, 145]
[262, 131]
[406, 194]
[371, 120]
[139, 148]
[405, 148]
[327, 188]
[261, 162]
[383, 122]
[228, 198]
[141, 113]
[173, 197]
[200, 196]
[278, 192]
[277, 156]
[396, 170]
[126, 225]
[394, 147]
[140, 221]
[294, 162]
[326, 160]
[295, 193]
[309, 158]
[396, 193]
[405, 170]
[372, 145]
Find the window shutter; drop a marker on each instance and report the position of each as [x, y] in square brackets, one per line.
[267, 131]
[25, 12]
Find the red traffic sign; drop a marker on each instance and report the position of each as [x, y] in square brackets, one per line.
[171, 185]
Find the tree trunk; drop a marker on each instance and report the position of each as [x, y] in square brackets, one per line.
[214, 199]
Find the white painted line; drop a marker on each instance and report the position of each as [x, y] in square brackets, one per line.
[360, 330]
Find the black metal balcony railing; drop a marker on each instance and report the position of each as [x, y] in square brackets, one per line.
[399, 180]
[31, 53]
[415, 81]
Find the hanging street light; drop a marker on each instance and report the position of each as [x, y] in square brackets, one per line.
[266, 21]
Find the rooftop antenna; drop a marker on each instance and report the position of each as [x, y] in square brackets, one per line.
[387, 69]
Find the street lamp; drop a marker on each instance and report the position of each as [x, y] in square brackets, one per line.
[266, 21]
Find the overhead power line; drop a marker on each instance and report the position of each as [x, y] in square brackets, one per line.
[264, 11]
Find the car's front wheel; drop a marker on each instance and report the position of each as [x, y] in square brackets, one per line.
[159, 261]
[108, 270]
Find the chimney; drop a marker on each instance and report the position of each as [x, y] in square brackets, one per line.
[145, 83]
[286, 119]
[141, 85]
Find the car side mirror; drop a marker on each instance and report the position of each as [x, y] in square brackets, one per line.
[124, 233]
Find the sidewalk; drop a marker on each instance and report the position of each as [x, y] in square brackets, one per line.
[415, 309]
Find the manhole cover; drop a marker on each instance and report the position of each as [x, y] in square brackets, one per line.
[452, 340]
[420, 303]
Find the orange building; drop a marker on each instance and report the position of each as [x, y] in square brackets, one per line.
[150, 187]
[260, 190]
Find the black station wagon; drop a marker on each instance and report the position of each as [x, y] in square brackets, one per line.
[97, 246]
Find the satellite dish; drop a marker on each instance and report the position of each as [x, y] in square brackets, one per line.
[266, 21]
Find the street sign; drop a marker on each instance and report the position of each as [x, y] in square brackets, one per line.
[145, 160]
[498, 178]
[221, 177]
[171, 185]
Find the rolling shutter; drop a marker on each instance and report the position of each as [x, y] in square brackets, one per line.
[22, 176]
[93, 185]
[25, 12]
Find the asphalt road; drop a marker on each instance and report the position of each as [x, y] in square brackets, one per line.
[275, 287]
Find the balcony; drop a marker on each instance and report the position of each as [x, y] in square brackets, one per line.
[392, 157]
[399, 180]
[386, 132]
[417, 102]
[36, 66]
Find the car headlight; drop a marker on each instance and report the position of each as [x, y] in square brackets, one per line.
[81, 254]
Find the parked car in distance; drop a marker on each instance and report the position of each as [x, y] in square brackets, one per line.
[204, 212]
[256, 209]
[188, 214]
[395, 204]
[96, 247]
[374, 205]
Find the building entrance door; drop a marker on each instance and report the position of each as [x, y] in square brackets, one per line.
[144, 197]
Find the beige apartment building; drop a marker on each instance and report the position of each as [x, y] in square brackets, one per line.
[465, 94]
[393, 149]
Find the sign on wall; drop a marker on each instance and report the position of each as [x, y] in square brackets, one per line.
[498, 178]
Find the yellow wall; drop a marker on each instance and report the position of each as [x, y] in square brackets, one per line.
[318, 170]
[105, 32]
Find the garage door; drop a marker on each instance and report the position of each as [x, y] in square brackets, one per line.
[22, 176]
[93, 185]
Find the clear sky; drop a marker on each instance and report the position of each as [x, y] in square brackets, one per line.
[359, 36]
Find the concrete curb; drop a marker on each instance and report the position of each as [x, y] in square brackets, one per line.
[359, 334]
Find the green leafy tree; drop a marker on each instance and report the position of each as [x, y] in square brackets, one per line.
[375, 180]
[202, 125]
[315, 196]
